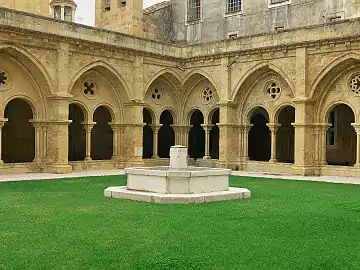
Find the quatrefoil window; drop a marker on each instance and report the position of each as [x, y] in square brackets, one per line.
[89, 88]
[156, 95]
[207, 95]
[273, 90]
[3, 78]
[354, 84]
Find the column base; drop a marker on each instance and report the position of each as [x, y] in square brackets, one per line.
[207, 157]
[155, 157]
[273, 160]
[88, 159]
[58, 168]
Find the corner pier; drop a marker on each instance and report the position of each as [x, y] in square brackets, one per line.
[177, 183]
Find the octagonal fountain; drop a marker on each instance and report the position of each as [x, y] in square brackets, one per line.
[177, 183]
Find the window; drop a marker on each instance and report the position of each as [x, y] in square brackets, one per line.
[232, 36]
[68, 14]
[57, 12]
[331, 132]
[107, 4]
[233, 6]
[274, 2]
[194, 9]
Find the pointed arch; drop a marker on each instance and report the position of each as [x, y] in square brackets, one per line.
[331, 72]
[168, 74]
[197, 72]
[253, 73]
[108, 72]
[32, 65]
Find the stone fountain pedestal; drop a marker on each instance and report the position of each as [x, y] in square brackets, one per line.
[178, 183]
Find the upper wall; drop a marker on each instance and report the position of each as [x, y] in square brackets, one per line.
[157, 22]
[39, 7]
[256, 17]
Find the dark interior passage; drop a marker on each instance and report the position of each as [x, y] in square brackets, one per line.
[102, 135]
[166, 135]
[148, 137]
[259, 136]
[77, 138]
[285, 136]
[215, 135]
[197, 135]
[18, 134]
[341, 137]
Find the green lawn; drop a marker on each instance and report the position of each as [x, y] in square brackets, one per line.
[69, 224]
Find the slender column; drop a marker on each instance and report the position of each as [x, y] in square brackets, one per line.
[186, 132]
[273, 128]
[155, 129]
[2, 122]
[246, 142]
[357, 130]
[179, 134]
[207, 129]
[322, 143]
[38, 141]
[116, 141]
[88, 128]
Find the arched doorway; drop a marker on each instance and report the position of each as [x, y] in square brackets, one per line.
[18, 134]
[77, 137]
[259, 136]
[215, 135]
[166, 134]
[197, 135]
[341, 137]
[285, 136]
[148, 137]
[102, 135]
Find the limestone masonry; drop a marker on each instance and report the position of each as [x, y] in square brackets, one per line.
[248, 85]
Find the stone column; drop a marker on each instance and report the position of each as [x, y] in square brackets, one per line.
[320, 150]
[178, 134]
[273, 128]
[155, 129]
[357, 130]
[88, 128]
[38, 140]
[116, 141]
[2, 122]
[245, 154]
[207, 129]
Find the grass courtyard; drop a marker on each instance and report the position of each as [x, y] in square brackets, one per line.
[69, 224]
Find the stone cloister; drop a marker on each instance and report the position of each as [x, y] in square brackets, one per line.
[280, 102]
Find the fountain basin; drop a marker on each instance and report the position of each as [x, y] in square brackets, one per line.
[192, 180]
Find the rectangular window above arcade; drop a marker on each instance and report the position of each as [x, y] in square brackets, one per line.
[193, 10]
[57, 12]
[233, 6]
[276, 3]
[68, 14]
[107, 5]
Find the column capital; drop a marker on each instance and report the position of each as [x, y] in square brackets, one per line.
[247, 127]
[273, 126]
[184, 128]
[356, 126]
[117, 126]
[3, 121]
[88, 126]
[155, 127]
[207, 127]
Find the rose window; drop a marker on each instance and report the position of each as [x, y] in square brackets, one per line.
[354, 84]
[273, 90]
[156, 95]
[207, 95]
[3, 78]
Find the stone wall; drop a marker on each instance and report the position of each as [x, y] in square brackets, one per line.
[256, 17]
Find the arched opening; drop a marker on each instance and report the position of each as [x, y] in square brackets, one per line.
[18, 134]
[77, 137]
[285, 136]
[102, 135]
[259, 136]
[197, 135]
[148, 135]
[215, 135]
[341, 137]
[166, 135]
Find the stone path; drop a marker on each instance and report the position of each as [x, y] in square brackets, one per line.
[49, 176]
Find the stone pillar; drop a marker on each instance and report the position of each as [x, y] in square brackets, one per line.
[88, 128]
[245, 153]
[273, 128]
[357, 130]
[178, 134]
[38, 140]
[2, 122]
[155, 129]
[116, 141]
[207, 129]
[320, 131]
